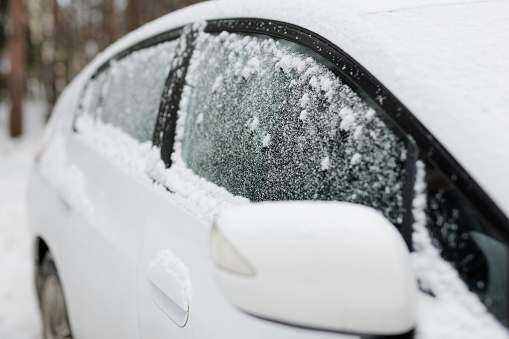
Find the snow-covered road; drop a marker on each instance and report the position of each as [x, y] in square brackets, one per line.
[19, 317]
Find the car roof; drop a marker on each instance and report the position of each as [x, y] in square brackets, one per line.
[446, 61]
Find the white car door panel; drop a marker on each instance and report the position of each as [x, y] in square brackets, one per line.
[175, 234]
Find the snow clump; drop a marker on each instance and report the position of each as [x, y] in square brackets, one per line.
[324, 164]
[178, 270]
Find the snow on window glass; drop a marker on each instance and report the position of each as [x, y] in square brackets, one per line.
[461, 267]
[127, 94]
[463, 238]
[270, 123]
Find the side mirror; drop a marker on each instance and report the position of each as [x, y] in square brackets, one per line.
[333, 266]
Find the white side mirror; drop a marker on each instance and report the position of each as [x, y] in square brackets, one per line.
[328, 265]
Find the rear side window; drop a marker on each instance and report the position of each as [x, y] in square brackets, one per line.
[127, 93]
[267, 121]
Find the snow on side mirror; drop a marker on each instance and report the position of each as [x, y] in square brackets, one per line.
[333, 266]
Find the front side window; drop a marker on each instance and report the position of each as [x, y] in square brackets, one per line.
[267, 121]
[463, 238]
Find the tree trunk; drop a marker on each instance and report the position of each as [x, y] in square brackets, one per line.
[110, 21]
[133, 15]
[17, 49]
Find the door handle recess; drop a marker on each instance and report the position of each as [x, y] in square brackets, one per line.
[167, 289]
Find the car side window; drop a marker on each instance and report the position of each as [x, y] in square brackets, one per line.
[267, 121]
[127, 93]
[464, 239]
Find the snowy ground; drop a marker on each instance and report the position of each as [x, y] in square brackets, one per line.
[19, 317]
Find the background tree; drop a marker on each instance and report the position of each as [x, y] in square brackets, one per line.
[17, 56]
[45, 43]
[133, 15]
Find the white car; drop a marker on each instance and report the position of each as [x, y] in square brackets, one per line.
[277, 169]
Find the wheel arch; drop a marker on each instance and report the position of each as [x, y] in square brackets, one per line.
[41, 248]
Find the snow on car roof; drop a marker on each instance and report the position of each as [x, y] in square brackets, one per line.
[446, 61]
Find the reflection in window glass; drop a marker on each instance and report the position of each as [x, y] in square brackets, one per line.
[90, 100]
[270, 123]
[127, 93]
[464, 239]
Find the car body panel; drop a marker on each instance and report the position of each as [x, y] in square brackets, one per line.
[114, 215]
[81, 218]
[210, 314]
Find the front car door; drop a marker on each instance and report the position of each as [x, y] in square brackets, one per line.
[293, 117]
[259, 119]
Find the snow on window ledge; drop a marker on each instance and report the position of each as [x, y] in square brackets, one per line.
[142, 161]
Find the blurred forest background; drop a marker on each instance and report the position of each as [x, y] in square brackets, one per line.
[45, 43]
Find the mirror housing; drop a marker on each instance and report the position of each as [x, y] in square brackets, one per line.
[333, 266]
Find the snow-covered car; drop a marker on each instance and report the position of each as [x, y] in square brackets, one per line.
[277, 169]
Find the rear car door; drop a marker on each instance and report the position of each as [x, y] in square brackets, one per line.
[106, 205]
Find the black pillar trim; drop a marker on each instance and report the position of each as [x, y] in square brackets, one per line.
[166, 123]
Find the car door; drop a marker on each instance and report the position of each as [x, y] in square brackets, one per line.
[259, 119]
[116, 117]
